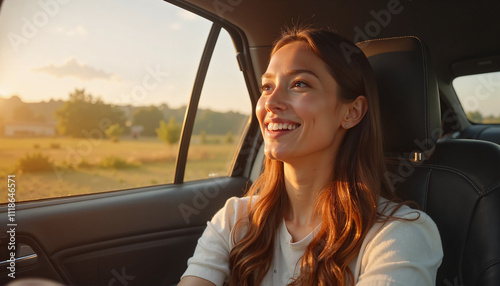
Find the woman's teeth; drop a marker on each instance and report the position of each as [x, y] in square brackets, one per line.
[281, 126]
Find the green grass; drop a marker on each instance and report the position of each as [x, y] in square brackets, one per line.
[78, 169]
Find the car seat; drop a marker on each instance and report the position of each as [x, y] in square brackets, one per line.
[455, 181]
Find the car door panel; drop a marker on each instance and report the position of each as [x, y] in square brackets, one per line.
[135, 237]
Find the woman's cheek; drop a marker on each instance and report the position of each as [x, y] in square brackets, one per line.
[260, 110]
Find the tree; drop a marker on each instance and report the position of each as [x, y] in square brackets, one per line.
[171, 132]
[148, 118]
[85, 116]
[114, 131]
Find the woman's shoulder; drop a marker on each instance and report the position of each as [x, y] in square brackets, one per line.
[237, 205]
[233, 210]
[394, 211]
[403, 245]
[399, 221]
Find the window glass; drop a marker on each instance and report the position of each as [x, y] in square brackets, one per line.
[84, 86]
[223, 112]
[480, 96]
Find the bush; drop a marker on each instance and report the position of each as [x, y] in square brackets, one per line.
[113, 162]
[114, 131]
[35, 162]
[171, 132]
[229, 138]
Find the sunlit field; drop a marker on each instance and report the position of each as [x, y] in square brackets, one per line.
[84, 166]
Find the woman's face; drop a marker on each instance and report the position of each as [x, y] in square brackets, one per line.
[299, 111]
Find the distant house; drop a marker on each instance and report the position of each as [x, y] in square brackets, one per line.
[14, 129]
[135, 130]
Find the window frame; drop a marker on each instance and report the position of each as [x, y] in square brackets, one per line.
[251, 140]
[192, 108]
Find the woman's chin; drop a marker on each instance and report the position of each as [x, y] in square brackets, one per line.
[275, 154]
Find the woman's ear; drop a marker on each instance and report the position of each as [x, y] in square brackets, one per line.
[356, 112]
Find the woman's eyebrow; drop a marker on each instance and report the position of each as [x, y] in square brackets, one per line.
[267, 75]
[296, 72]
[290, 73]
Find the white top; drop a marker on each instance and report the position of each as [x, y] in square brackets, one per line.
[398, 252]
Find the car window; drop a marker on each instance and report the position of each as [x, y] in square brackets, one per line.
[479, 95]
[93, 96]
[218, 127]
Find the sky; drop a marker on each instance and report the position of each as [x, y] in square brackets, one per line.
[124, 51]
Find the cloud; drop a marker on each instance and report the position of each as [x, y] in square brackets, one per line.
[72, 68]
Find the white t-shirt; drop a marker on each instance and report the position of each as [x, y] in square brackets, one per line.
[397, 252]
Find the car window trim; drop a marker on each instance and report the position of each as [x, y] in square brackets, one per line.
[192, 108]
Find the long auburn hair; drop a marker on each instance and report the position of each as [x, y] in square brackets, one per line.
[348, 206]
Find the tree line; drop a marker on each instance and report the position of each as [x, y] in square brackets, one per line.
[478, 117]
[83, 112]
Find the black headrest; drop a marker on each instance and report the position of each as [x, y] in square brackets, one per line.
[409, 97]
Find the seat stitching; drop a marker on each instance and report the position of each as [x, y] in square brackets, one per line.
[390, 38]
[477, 186]
[426, 92]
[491, 188]
[428, 179]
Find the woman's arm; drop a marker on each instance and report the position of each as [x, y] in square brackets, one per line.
[210, 262]
[194, 281]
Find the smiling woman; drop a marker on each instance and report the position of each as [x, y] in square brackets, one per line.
[321, 212]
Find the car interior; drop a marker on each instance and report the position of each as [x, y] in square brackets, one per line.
[437, 157]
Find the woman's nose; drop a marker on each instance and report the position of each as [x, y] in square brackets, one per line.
[276, 101]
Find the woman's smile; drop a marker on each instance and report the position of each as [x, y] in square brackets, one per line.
[275, 128]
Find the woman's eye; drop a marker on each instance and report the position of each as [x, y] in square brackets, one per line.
[300, 84]
[265, 88]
